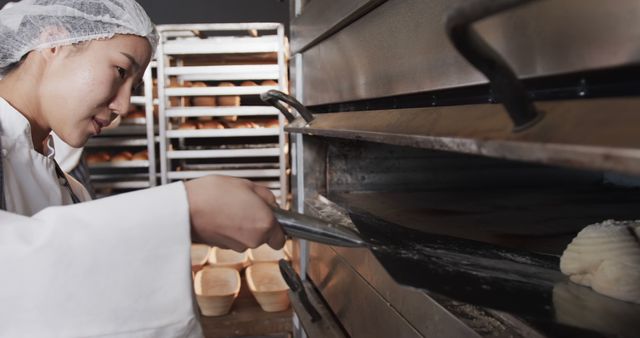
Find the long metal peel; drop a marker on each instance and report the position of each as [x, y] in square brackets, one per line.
[317, 230]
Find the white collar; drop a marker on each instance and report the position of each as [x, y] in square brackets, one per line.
[15, 126]
[49, 149]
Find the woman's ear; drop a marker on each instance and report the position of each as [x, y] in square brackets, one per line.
[49, 53]
[48, 36]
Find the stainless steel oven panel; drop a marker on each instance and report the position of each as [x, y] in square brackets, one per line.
[401, 47]
[362, 310]
[362, 295]
[318, 19]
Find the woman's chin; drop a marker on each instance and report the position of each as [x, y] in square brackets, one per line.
[81, 143]
[77, 141]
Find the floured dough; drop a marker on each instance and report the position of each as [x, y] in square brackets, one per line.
[606, 257]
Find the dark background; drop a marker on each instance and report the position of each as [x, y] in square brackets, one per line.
[214, 11]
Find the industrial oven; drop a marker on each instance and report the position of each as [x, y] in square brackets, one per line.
[471, 139]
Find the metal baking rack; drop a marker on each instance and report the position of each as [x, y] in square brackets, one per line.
[211, 54]
[133, 135]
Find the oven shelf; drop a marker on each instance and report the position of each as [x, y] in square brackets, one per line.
[598, 134]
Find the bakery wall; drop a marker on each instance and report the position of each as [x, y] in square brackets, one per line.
[204, 11]
[207, 11]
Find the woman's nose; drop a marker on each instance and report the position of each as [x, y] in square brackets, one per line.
[120, 103]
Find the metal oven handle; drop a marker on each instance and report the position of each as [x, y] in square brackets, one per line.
[273, 97]
[504, 83]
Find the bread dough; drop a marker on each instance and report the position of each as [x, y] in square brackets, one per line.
[606, 257]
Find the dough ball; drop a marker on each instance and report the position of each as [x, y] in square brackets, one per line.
[606, 257]
[210, 125]
[188, 125]
[231, 100]
[274, 123]
[98, 157]
[207, 101]
[141, 156]
[122, 156]
[269, 83]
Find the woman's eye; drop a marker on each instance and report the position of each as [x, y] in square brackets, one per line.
[121, 72]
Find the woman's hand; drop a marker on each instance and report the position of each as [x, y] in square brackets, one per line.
[232, 213]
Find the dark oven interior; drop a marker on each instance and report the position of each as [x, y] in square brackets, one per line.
[530, 207]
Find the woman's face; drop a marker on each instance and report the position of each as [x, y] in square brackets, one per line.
[83, 85]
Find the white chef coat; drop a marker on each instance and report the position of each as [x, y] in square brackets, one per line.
[115, 267]
[67, 156]
[30, 179]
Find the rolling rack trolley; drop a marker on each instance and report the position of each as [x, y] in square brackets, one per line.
[211, 120]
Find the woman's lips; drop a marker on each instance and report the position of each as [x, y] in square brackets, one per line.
[98, 124]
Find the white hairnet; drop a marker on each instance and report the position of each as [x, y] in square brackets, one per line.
[36, 24]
